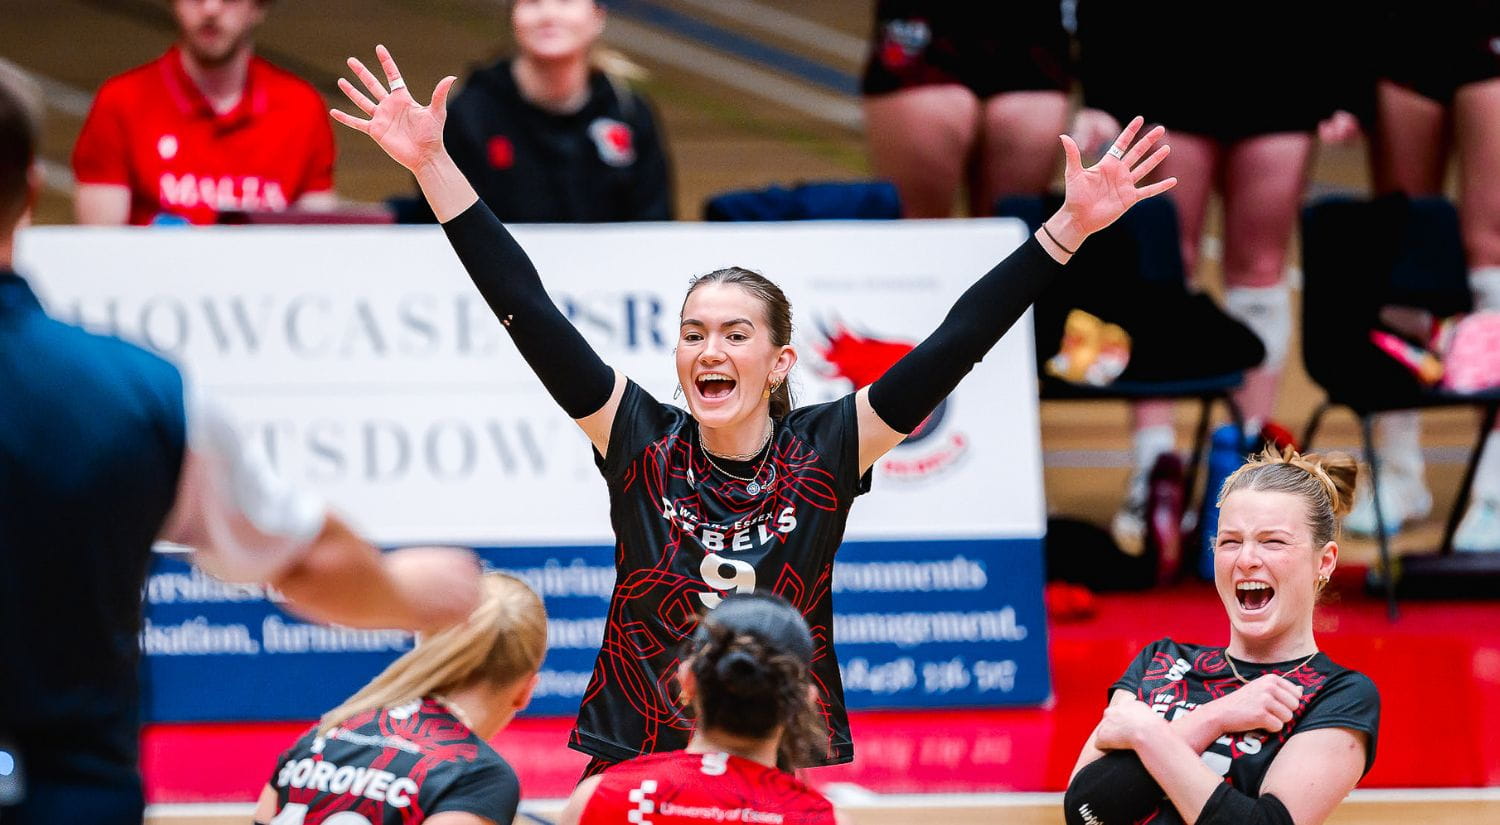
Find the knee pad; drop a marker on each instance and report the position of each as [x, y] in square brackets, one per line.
[1267, 311]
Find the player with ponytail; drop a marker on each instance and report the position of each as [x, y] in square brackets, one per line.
[411, 746]
[745, 674]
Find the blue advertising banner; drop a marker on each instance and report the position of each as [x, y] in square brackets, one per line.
[917, 624]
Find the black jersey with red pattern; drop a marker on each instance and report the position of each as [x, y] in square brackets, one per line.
[394, 765]
[690, 533]
[1174, 678]
[694, 788]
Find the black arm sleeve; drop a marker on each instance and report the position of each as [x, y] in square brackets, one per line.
[1228, 806]
[913, 387]
[576, 377]
[1115, 789]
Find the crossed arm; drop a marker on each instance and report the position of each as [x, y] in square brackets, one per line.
[1311, 774]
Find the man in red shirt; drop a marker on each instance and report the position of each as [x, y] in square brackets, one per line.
[208, 127]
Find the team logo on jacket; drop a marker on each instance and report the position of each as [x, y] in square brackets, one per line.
[615, 141]
[861, 359]
[501, 152]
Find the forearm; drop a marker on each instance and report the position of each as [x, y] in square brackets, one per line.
[1178, 769]
[100, 204]
[344, 580]
[1198, 728]
[324, 201]
[575, 375]
[448, 192]
[913, 387]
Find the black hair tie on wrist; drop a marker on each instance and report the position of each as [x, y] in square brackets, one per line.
[1054, 239]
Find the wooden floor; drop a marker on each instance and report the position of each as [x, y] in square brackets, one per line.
[1377, 811]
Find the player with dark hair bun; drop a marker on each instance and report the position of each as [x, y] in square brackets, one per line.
[745, 675]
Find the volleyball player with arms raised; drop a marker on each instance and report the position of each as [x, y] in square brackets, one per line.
[739, 492]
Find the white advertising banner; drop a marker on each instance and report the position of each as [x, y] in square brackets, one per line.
[372, 370]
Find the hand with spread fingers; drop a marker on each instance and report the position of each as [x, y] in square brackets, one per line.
[412, 134]
[1098, 195]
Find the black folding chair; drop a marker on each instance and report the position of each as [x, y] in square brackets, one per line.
[1132, 273]
[1357, 257]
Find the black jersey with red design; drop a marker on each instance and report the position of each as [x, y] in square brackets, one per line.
[1174, 678]
[395, 765]
[694, 788]
[690, 533]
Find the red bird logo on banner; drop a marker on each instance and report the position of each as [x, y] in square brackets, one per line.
[861, 360]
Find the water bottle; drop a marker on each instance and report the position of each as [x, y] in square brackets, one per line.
[1225, 455]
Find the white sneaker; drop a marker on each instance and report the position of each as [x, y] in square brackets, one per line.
[1479, 531]
[1403, 498]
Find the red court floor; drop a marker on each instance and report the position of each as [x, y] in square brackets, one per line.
[1438, 670]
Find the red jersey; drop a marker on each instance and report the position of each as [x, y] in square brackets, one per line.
[680, 788]
[153, 131]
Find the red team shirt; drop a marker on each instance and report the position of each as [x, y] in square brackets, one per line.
[680, 788]
[151, 130]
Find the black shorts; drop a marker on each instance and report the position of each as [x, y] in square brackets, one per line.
[1434, 49]
[1181, 68]
[1221, 118]
[987, 46]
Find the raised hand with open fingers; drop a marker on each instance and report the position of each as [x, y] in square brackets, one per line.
[1098, 195]
[412, 134]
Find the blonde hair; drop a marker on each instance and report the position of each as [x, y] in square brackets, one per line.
[615, 64]
[1324, 483]
[502, 642]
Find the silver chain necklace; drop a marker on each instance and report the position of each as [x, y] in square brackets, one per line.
[770, 428]
[1288, 673]
[752, 484]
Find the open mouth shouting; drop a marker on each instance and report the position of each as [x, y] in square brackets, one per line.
[714, 386]
[1254, 596]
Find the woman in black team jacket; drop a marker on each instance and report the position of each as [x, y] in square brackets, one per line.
[546, 137]
[739, 492]
[1266, 730]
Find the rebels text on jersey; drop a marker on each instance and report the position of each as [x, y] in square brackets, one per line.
[693, 788]
[394, 765]
[688, 535]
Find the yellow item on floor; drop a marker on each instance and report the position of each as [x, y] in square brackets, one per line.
[1093, 351]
